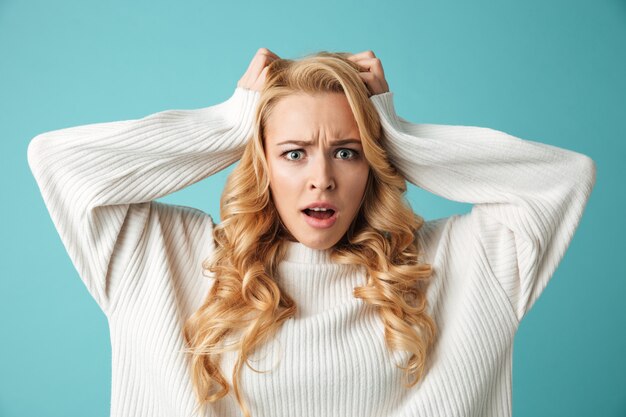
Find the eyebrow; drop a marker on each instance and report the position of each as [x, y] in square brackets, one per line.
[307, 143]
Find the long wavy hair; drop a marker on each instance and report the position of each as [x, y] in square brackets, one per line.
[246, 301]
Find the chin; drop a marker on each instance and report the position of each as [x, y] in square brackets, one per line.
[319, 244]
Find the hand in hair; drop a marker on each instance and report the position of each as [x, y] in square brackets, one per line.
[254, 77]
[373, 74]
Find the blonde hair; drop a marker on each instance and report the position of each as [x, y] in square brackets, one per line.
[382, 237]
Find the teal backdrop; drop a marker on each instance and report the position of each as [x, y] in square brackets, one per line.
[549, 71]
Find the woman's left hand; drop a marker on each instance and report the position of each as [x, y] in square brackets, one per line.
[372, 72]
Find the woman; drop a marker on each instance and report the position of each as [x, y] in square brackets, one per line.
[325, 294]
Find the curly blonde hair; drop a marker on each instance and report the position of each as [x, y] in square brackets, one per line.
[246, 301]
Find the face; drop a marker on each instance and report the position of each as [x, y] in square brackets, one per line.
[318, 172]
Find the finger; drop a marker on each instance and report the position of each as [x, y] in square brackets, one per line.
[260, 81]
[265, 51]
[262, 58]
[372, 83]
[361, 55]
[257, 65]
[373, 65]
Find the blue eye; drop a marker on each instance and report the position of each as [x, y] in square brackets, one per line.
[290, 155]
[346, 153]
[298, 154]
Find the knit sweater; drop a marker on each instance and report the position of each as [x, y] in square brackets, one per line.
[140, 259]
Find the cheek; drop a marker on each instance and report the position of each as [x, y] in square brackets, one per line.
[284, 183]
[357, 183]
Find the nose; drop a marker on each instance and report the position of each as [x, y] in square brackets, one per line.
[322, 176]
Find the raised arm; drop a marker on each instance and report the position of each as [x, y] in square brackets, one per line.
[94, 177]
[528, 196]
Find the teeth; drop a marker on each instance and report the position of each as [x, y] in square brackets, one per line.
[318, 209]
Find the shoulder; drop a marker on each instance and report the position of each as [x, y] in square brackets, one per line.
[170, 241]
[186, 221]
[435, 235]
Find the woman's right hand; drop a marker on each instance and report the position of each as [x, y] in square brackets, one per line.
[254, 77]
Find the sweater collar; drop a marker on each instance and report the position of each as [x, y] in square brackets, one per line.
[297, 252]
[314, 282]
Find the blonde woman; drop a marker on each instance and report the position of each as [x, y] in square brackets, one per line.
[320, 293]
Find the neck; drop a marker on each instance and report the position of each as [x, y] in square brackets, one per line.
[314, 282]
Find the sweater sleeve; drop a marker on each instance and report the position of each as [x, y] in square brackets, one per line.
[94, 178]
[528, 197]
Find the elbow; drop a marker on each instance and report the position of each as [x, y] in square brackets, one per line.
[36, 150]
[33, 150]
[584, 173]
[588, 171]
[592, 172]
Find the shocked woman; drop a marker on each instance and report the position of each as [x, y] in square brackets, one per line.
[320, 292]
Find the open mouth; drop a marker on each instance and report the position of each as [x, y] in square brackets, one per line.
[319, 214]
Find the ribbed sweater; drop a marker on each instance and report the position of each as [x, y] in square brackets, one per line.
[141, 259]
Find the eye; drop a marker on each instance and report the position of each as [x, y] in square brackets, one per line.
[294, 155]
[346, 153]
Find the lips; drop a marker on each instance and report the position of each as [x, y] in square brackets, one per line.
[320, 210]
[320, 204]
[320, 222]
[319, 213]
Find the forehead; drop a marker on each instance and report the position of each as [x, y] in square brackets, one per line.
[304, 114]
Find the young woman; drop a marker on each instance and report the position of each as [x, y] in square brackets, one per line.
[320, 292]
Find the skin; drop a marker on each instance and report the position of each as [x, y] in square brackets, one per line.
[326, 171]
[318, 170]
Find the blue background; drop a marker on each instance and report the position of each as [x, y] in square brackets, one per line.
[550, 71]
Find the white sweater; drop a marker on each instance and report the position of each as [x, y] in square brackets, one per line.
[141, 261]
